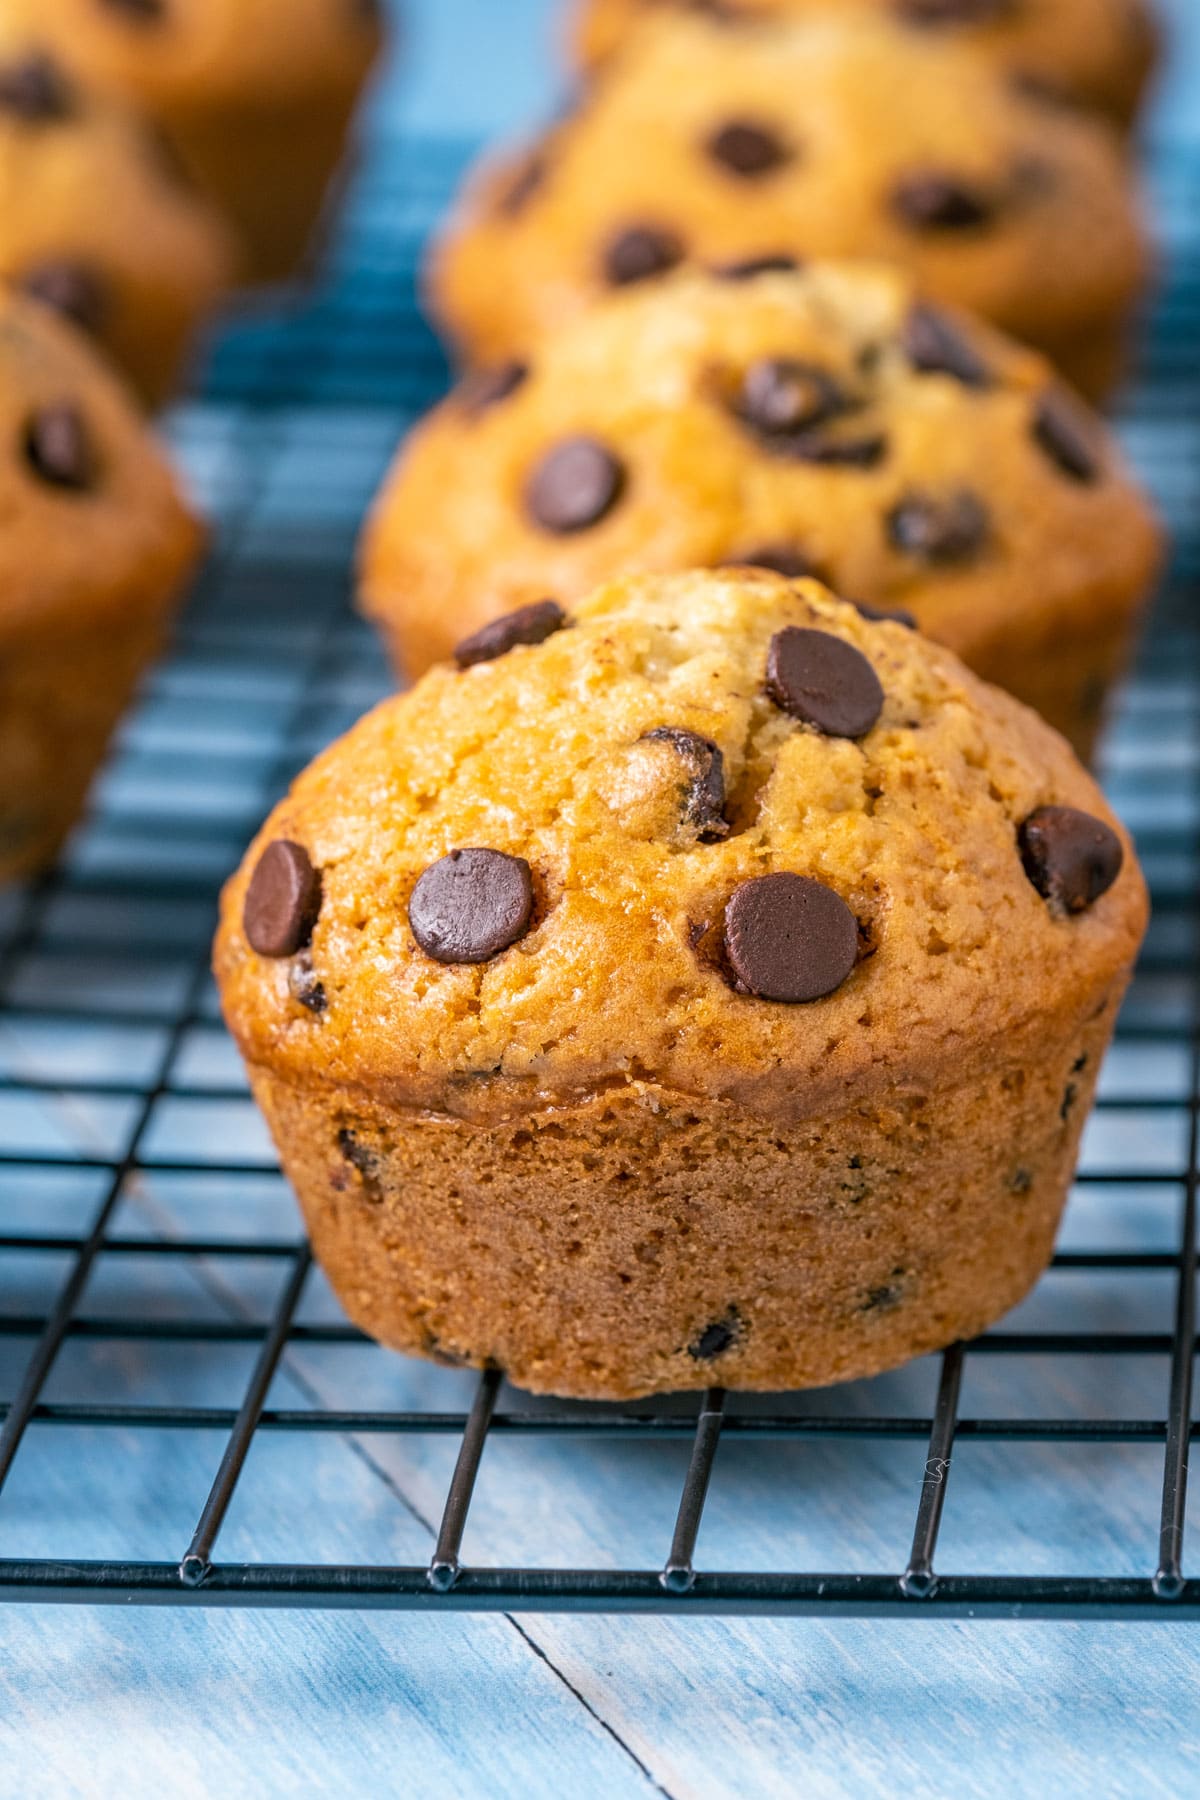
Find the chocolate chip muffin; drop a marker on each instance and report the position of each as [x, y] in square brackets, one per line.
[97, 223]
[828, 136]
[1098, 54]
[97, 544]
[826, 422]
[255, 96]
[712, 991]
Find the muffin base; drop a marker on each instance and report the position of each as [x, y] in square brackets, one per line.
[639, 1242]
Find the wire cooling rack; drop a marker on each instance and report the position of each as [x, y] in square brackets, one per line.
[187, 1408]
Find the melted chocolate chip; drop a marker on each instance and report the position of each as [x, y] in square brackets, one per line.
[639, 254]
[821, 679]
[935, 345]
[780, 397]
[771, 262]
[304, 985]
[716, 1338]
[705, 804]
[781, 559]
[35, 90]
[356, 1152]
[488, 387]
[523, 186]
[58, 448]
[574, 486]
[282, 901]
[746, 149]
[471, 905]
[69, 288]
[527, 625]
[789, 938]
[1065, 433]
[931, 201]
[939, 529]
[1070, 857]
[880, 615]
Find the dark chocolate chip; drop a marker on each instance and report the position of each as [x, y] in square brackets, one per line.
[1070, 857]
[887, 1296]
[781, 559]
[880, 615]
[304, 985]
[789, 938]
[929, 200]
[952, 12]
[58, 448]
[527, 625]
[574, 486]
[488, 387]
[1065, 433]
[142, 12]
[716, 1338]
[356, 1152]
[70, 288]
[639, 253]
[935, 345]
[523, 186]
[1070, 1095]
[471, 905]
[35, 90]
[771, 262]
[846, 453]
[821, 679]
[705, 766]
[747, 149]
[282, 901]
[939, 529]
[780, 396]
[1020, 1181]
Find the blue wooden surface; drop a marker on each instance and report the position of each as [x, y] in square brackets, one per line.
[146, 1702]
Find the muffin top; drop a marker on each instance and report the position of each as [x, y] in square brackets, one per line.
[162, 52]
[823, 137]
[1099, 53]
[824, 422]
[94, 521]
[717, 834]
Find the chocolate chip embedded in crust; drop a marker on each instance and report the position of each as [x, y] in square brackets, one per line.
[58, 448]
[819, 678]
[639, 254]
[769, 263]
[1065, 433]
[931, 201]
[304, 985]
[471, 905]
[69, 288]
[36, 90]
[934, 345]
[716, 1338]
[488, 387]
[789, 938]
[781, 396]
[282, 901]
[527, 625]
[880, 615]
[747, 149]
[574, 486]
[847, 453]
[705, 765]
[781, 559]
[1070, 857]
[950, 528]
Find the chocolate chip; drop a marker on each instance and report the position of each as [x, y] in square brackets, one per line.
[931, 201]
[1070, 1095]
[1065, 433]
[769, 263]
[303, 984]
[747, 150]
[282, 901]
[356, 1152]
[523, 185]
[705, 766]
[781, 396]
[58, 448]
[640, 253]
[488, 387]
[716, 1338]
[821, 679]
[789, 938]
[848, 453]
[471, 905]
[527, 625]
[934, 344]
[880, 615]
[35, 90]
[69, 288]
[1020, 1181]
[1070, 857]
[888, 1295]
[574, 486]
[939, 529]
[782, 559]
[952, 12]
[143, 12]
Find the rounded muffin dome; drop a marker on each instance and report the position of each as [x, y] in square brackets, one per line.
[818, 137]
[824, 421]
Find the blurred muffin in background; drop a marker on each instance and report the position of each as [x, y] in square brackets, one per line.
[820, 422]
[96, 221]
[98, 543]
[256, 96]
[819, 137]
[1095, 53]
